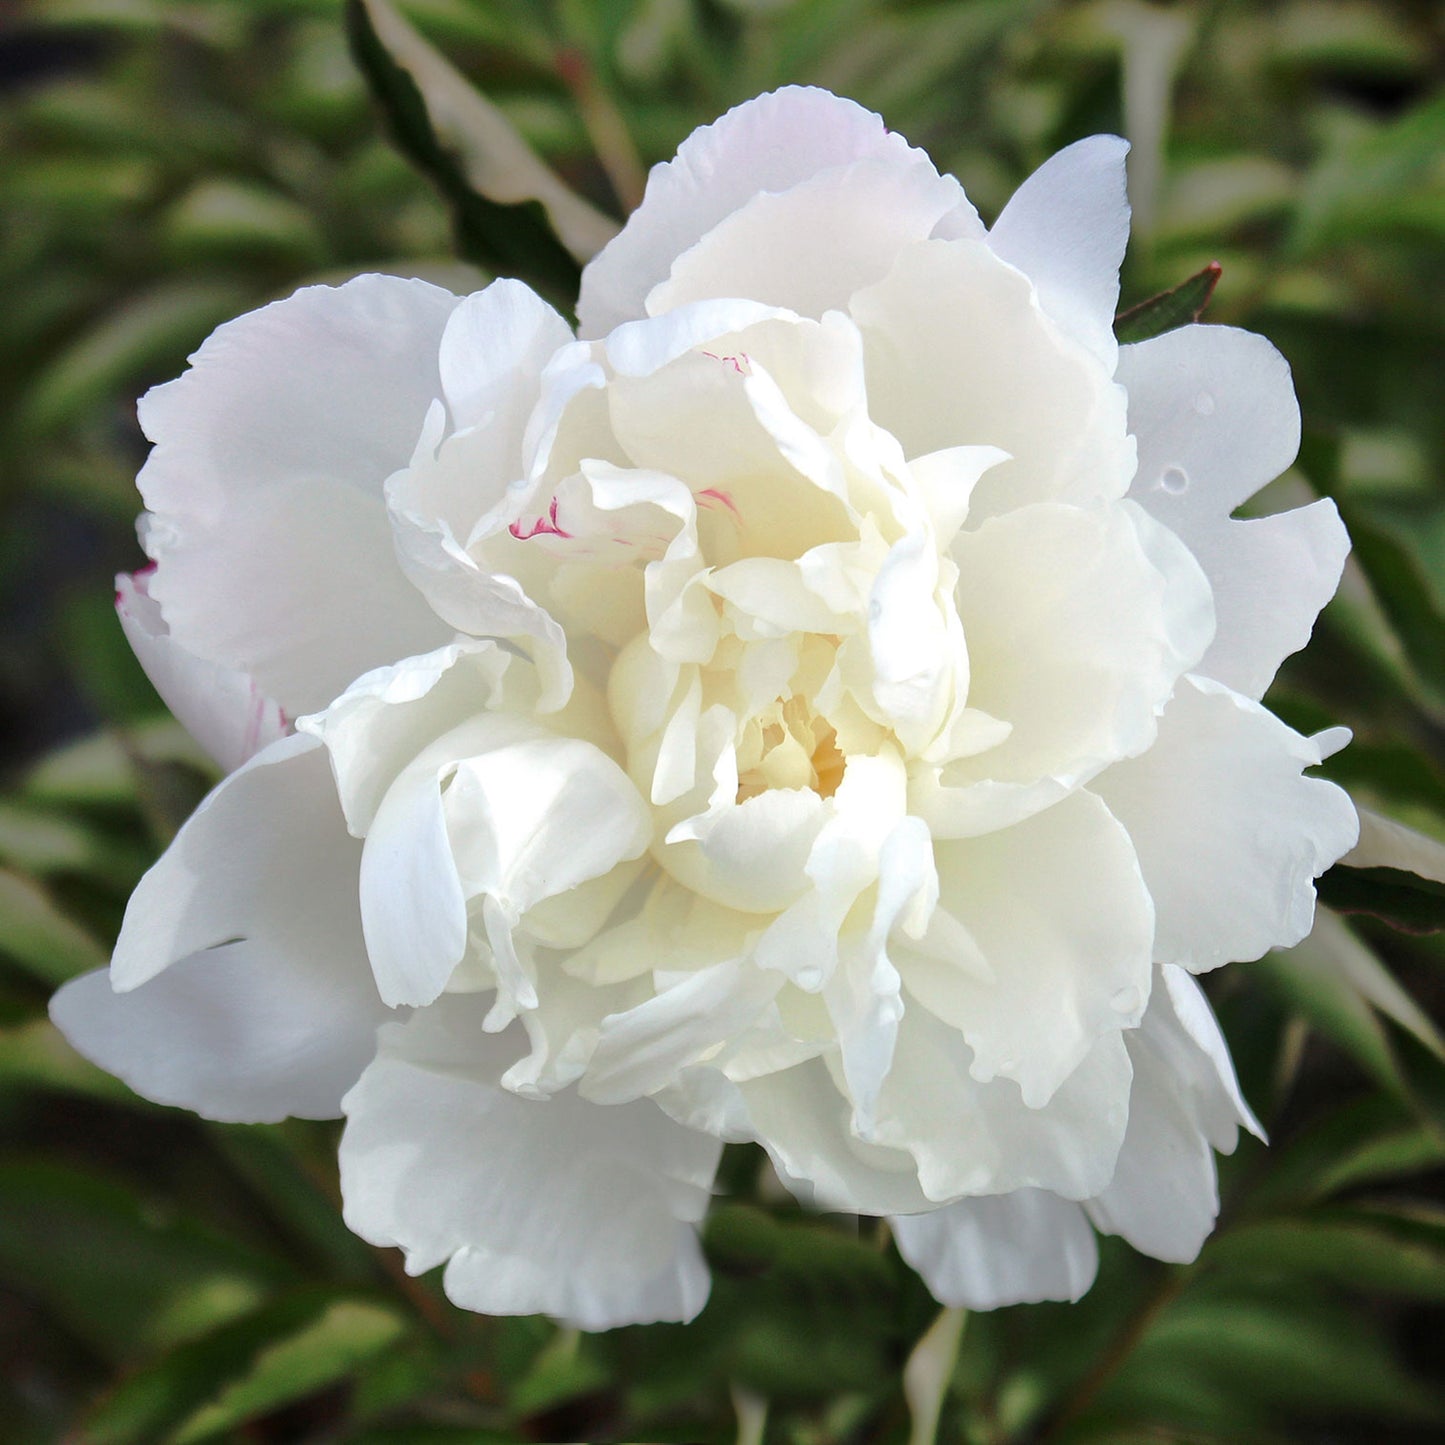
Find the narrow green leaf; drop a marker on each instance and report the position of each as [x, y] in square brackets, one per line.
[38, 936]
[126, 1278]
[1366, 1250]
[1388, 843]
[1170, 309]
[1316, 989]
[155, 328]
[508, 209]
[262, 1156]
[1399, 581]
[277, 1354]
[1404, 900]
[1350, 959]
[1269, 1357]
[1364, 1145]
[34, 1055]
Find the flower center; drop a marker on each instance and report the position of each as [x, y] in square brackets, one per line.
[788, 745]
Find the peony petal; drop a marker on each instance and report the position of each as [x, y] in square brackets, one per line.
[1215, 415]
[1078, 624]
[642, 1050]
[1230, 833]
[970, 1138]
[376, 728]
[1164, 1195]
[562, 1207]
[801, 1119]
[1004, 1249]
[1062, 920]
[769, 144]
[768, 249]
[497, 809]
[245, 993]
[493, 350]
[221, 708]
[959, 352]
[1066, 229]
[1209, 1078]
[273, 549]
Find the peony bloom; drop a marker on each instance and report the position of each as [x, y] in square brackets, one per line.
[819, 706]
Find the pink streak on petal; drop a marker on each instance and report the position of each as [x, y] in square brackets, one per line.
[735, 360]
[547, 526]
[713, 495]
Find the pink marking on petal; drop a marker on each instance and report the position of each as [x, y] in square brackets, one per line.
[547, 526]
[713, 495]
[733, 359]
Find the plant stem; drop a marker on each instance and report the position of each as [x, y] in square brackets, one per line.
[929, 1372]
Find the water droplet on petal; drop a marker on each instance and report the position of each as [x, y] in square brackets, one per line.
[1173, 480]
[1204, 403]
[1125, 1000]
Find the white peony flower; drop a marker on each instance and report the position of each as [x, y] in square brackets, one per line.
[820, 706]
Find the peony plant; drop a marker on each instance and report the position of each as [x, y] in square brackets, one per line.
[817, 704]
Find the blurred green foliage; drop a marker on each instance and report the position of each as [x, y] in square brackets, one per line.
[169, 163]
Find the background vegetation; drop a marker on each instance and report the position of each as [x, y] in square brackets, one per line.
[167, 165]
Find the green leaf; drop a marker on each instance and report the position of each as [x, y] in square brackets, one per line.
[34, 1055]
[1404, 591]
[125, 1278]
[1366, 1144]
[39, 840]
[1376, 1251]
[1170, 309]
[280, 1353]
[1388, 843]
[154, 329]
[564, 1370]
[1217, 1356]
[38, 936]
[1312, 984]
[229, 220]
[508, 209]
[1404, 900]
[272, 1165]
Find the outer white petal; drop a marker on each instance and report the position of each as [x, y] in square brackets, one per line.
[1215, 416]
[970, 1138]
[1205, 1070]
[270, 532]
[1230, 833]
[771, 143]
[221, 708]
[960, 352]
[561, 1207]
[247, 994]
[1063, 926]
[1004, 1249]
[1065, 229]
[768, 250]
[1164, 1195]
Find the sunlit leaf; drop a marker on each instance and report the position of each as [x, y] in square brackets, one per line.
[509, 209]
[37, 935]
[282, 1352]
